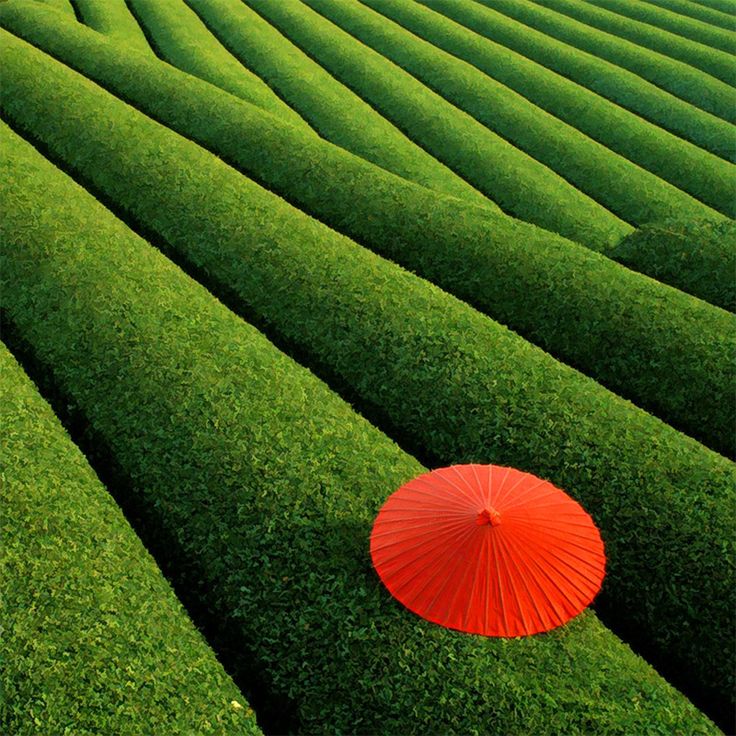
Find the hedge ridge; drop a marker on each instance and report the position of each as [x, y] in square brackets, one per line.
[269, 484]
[684, 81]
[683, 164]
[714, 62]
[699, 257]
[346, 311]
[629, 191]
[563, 298]
[520, 185]
[113, 18]
[667, 19]
[702, 11]
[328, 106]
[92, 633]
[183, 40]
[64, 6]
[598, 75]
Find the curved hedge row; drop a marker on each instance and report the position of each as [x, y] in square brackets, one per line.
[630, 192]
[183, 40]
[451, 381]
[709, 60]
[675, 22]
[93, 636]
[113, 18]
[267, 484]
[564, 298]
[722, 17]
[64, 6]
[682, 80]
[333, 110]
[701, 174]
[699, 257]
[611, 82]
[520, 185]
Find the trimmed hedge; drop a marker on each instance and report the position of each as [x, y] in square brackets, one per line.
[679, 162]
[450, 381]
[688, 83]
[183, 40]
[709, 60]
[563, 298]
[717, 14]
[630, 192]
[113, 18]
[94, 640]
[698, 257]
[333, 110]
[698, 30]
[268, 483]
[64, 6]
[520, 185]
[611, 82]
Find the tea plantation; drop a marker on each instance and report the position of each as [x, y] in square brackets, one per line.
[265, 261]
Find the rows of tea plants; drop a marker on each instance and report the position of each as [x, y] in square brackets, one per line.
[270, 259]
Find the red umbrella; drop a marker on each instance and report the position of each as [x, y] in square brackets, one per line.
[488, 550]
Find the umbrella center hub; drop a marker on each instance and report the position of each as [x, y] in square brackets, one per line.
[488, 516]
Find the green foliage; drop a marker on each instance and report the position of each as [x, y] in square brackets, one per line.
[606, 79]
[268, 484]
[454, 383]
[113, 18]
[333, 110]
[718, 13]
[710, 60]
[520, 185]
[686, 166]
[698, 257]
[183, 40]
[633, 194]
[562, 297]
[684, 81]
[698, 30]
[64, 6]
[94, 640]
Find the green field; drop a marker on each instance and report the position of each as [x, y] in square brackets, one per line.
[268, 260]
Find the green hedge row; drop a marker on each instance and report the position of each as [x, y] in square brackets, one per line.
[630, 192]
[94, 640]
[113, 18]
[444, 377]
[268, 484]
[697, 30]
[520, 185]
[712, 61]
[333, 110]
[561, 296]
[700, 173]
[64, 6]
[699, 257]
[608, 80]
[718, 13]
[688, 83]
[183, 40]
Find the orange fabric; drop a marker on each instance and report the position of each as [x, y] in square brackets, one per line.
[488, 550]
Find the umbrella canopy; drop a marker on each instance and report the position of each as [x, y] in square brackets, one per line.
[488, 550]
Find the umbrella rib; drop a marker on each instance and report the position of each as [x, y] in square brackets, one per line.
[497, 557]
[449, 529]
[509, 559]
[431, 524]
[457, 559]
[416, 558]
[460, 490]
[523, 560]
